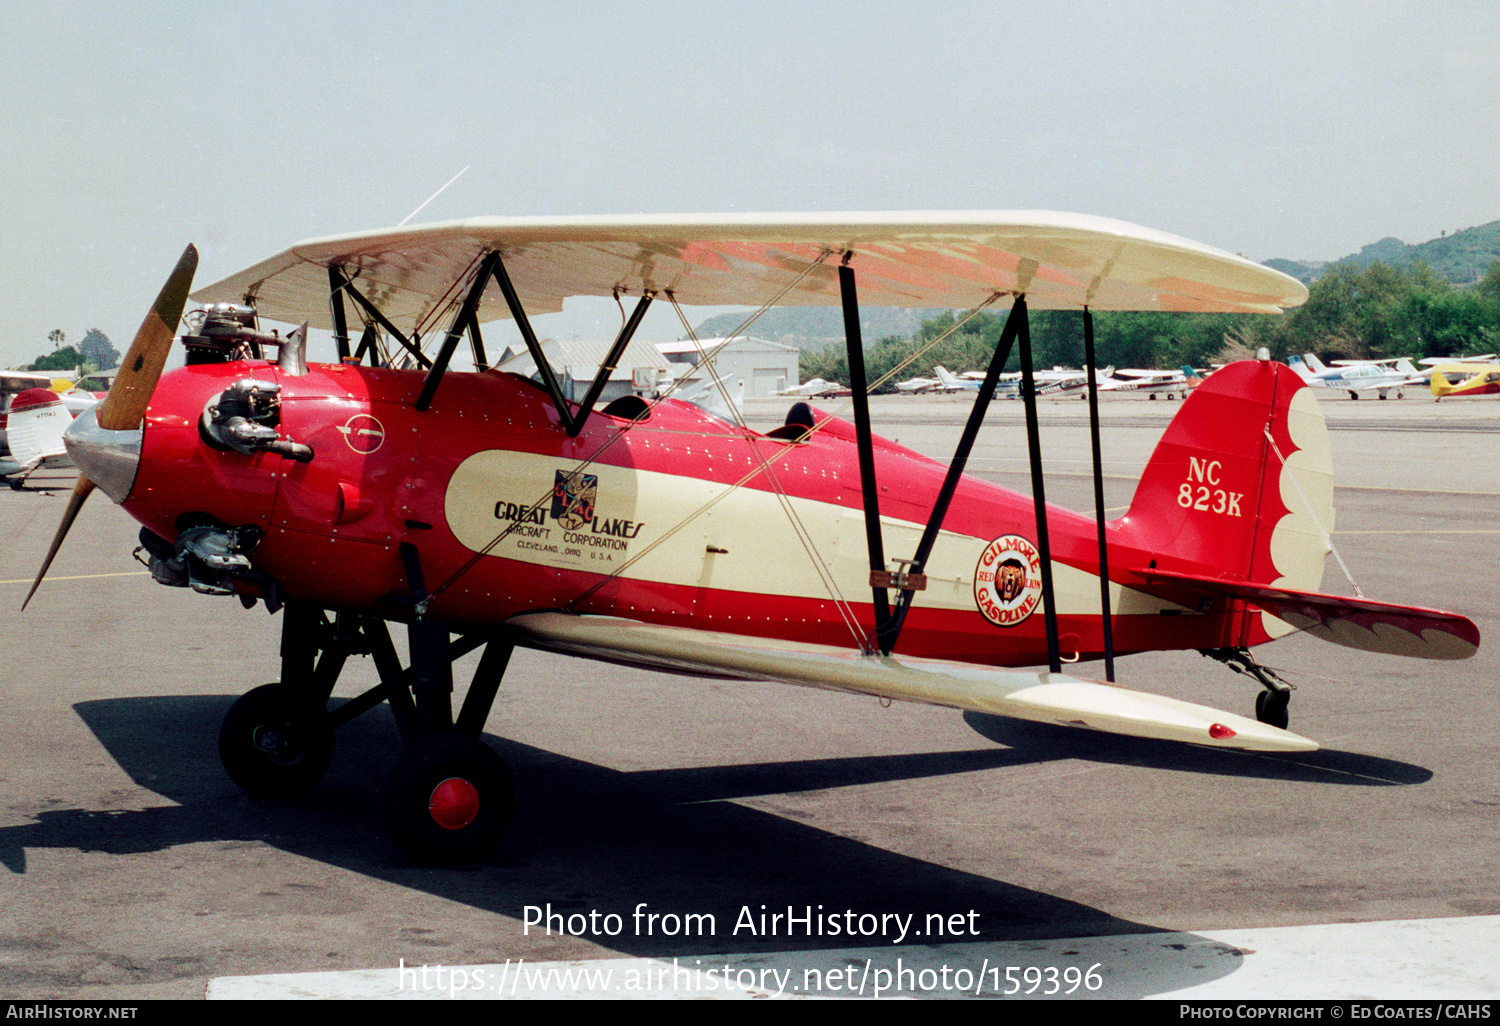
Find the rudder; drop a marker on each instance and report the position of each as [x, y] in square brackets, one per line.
[1240, 487]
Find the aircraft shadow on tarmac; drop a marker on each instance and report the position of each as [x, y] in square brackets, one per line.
[588, 837]
[1044, 742]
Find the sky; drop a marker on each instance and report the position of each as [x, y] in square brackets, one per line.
[1301, 129]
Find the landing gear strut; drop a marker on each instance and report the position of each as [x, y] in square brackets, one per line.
[449, 797]
[1272, 704]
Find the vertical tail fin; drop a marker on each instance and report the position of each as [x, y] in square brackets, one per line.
[38, 419]
[1240, 486]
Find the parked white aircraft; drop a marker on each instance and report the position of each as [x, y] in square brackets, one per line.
[951, 384]
[912, 385]
[815, 387]
[36, 420]
[1356, 376]
[1173, 383]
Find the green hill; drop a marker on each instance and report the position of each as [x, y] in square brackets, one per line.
[1461, 257]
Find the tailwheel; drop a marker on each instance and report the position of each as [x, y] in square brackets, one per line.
[449, 800]
[1272, 708]
[272, 744]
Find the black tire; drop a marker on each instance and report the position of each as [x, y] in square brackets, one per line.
[273, 746]
[453, 777]
[1273, 708]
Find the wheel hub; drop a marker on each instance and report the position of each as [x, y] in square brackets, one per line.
[278, 743]
[454, 803]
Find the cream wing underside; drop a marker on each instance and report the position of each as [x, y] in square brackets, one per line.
[908, 259]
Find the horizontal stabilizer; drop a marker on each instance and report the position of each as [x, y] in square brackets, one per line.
[1042, 697]
[1352, 622]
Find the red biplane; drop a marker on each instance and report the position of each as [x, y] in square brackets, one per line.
[486, 509]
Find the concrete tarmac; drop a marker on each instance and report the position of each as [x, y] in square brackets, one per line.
[132, 868]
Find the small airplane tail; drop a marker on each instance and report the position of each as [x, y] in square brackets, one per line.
[1240, 486]
[1314, 364]
[38, 419]
[1299, 365]
[946, 377]
[1236, 507]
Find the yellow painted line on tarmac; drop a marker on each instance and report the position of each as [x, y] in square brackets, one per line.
[80, 577]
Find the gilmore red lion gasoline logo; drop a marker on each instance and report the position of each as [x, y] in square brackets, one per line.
[1008, 580]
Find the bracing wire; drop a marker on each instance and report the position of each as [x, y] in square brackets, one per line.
[1327, 538]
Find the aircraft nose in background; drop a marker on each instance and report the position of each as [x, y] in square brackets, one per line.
[107, 458]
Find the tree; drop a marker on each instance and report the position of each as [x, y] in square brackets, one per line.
[65, 359]
[1489, 285]
[56, 337]
[98, 350]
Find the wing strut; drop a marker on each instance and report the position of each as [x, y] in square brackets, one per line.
[465, 318]
[606, 368]
[1107, 618]
[476, 342]
[462, 321]
[572, 420]
[523, 325]
[336, 308]
[1039, 497]
[866, 447]
[367, 340]
[342, 284]
[986, 393]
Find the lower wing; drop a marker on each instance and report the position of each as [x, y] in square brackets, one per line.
[1043, 697]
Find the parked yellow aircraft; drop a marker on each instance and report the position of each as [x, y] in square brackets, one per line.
[1473, 379]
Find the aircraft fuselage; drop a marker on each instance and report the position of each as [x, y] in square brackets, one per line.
[681, 518]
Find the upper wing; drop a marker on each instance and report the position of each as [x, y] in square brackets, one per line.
[1043, 697]
[1060, 261]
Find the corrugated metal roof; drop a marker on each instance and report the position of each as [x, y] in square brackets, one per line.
[750, 342]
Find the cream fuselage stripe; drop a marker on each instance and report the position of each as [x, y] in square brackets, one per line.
[598, 519]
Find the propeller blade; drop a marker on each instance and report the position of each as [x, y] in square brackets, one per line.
[81, 489]
[125, 405]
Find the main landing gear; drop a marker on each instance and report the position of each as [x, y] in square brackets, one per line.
[449, 798]
[1272, 706]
